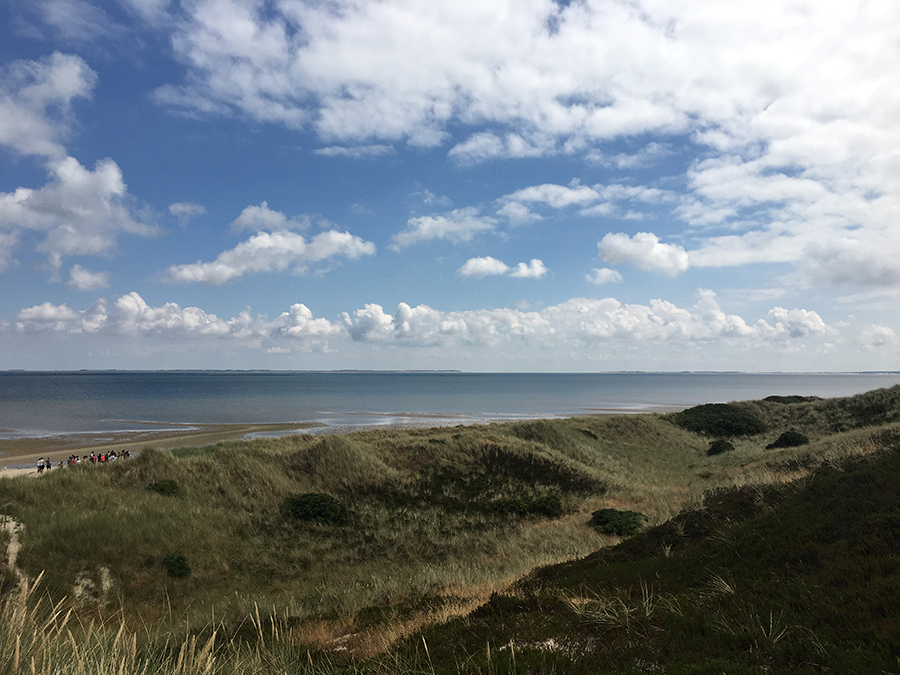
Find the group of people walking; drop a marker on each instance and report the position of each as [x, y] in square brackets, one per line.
[45, 464]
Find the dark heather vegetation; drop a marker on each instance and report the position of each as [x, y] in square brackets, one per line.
[315, 507]
[718, 446]
[474, 550]
[720, 419]
[614, 521]
[789, 439]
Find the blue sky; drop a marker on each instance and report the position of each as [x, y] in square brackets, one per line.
[489, 185]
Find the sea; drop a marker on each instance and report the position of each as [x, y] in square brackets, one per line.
[40, 404]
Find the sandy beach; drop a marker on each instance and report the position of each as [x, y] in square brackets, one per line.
[19, 456]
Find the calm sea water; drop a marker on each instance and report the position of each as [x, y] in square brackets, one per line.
[50, 403]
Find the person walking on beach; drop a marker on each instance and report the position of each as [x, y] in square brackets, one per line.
[40, 465]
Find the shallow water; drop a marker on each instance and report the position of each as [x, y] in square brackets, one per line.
[34, 404]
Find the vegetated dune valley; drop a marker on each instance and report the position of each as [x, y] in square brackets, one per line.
[751, 536]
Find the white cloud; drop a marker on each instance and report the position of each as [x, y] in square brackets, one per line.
[795, 322]
[300, 323]
[84, 280]
[518, 214]
[579, 324]
[555, 196]
[263, 218]
[533, 270]
[82, 212]
[8, 241]
[646, 156]
[184, 211]
[150, 10]
[483, 146]
[482, 267]
[604, 276]
[597, 200]
[459, 225]
[645, 251]
[47, 316]
[75, 20]
[488, 266]
[358, 152]
[873, 336]
[790, 105]
[35, 100]
[271, 252]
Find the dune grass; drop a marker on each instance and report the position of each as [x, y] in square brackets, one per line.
[437, 521]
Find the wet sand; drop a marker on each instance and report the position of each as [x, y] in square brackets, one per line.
[20, 452]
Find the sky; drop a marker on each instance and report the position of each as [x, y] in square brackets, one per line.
[479, 185]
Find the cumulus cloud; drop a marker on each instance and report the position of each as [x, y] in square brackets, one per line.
[263, 218]
[35, 101]
[488, 266]
[458, 226]
[556, 196]
[604, 276]
[482, 267]
[645, 251]
[796, 323]
[84, 280]
[579, 323]
[271, 252]
[597, 200]
[81, 211]
[788, 107]
[873, 336]
[533, 270]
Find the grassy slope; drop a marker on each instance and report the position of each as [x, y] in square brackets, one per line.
[429, 534]
[799, 578]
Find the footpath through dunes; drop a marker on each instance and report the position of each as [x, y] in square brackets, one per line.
[342, 545]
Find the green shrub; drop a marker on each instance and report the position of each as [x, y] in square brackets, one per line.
[719, 419]
[315, 507]
[515, 506]
[613, 521]
[166, 487]
[787, 400]
[789, 439]
[548, 505]
[718, 446]
[176, 565]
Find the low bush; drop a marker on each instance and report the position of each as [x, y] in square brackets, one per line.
[176, 566]
[718, 446]
[720, 419]
[613, 521]
[166, 488]
[787, 400]
[548, 505]
[315, 507]
[789, 439]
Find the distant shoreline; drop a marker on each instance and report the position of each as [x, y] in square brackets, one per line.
[253, 371]
[58, 447]
[17, 454]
